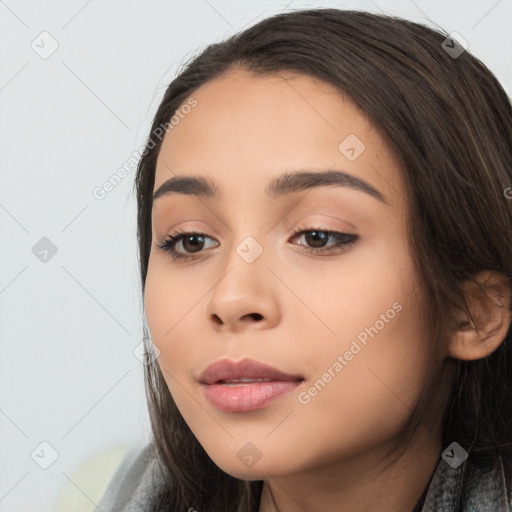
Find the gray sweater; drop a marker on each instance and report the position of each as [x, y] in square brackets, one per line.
[138, 476]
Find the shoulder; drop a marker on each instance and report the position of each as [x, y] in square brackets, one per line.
[479, 488]
[489, 488]
[134, 480]
[506, 475]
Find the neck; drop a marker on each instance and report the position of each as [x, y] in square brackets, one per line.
[361, 483]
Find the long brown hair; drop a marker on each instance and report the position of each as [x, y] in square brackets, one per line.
[450, 122]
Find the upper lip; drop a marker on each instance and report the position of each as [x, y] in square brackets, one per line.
[227, 370]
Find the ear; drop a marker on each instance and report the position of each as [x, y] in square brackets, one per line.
[491, 318]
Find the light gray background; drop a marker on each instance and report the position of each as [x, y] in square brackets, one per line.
[69, 325]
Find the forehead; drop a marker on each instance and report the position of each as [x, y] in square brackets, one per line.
[247, 129]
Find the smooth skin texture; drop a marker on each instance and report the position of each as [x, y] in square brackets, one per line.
[331, 453]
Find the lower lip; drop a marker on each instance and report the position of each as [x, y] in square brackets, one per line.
[247, 397]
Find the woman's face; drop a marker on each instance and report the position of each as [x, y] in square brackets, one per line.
[344, 325]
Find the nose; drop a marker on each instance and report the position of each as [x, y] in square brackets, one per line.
[245, 295]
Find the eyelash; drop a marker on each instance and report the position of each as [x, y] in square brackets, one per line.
[345, 241]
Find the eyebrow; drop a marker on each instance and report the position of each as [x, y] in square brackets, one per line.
[282, 185]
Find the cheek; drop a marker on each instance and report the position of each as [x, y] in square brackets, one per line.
[380, 386]
[378, 383]
[166, 317]
[383, 365]
[378, 333]
[369, 295]
[168, 301]
[169, 304]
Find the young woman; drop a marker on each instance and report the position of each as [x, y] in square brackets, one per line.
[325, 234]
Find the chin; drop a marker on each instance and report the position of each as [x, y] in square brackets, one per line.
[259, 470]
[250, 477]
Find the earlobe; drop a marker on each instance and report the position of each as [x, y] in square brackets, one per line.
[490, 309]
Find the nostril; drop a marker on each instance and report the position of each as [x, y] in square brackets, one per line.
[216, 319]
[256, 316]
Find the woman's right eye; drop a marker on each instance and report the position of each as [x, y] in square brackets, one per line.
[188, 239]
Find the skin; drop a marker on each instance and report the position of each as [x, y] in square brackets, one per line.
[333, 452]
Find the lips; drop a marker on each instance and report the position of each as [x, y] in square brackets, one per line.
[226, 371]
[246, 385]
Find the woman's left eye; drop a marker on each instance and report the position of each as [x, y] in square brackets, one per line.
[318, 237]
[194, 241]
